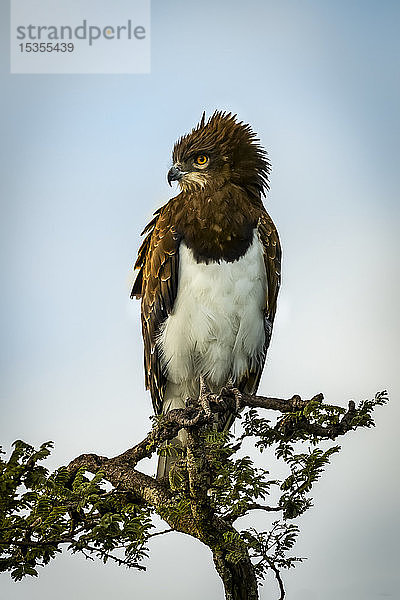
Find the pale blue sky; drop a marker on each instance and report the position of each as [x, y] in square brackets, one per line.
[83, 165]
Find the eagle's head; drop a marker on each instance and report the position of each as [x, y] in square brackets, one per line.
[218, 151]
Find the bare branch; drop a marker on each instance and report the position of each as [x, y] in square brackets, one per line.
[289, 405]
[233, 516]
[160, 532]
[278, 578]
[119, 561]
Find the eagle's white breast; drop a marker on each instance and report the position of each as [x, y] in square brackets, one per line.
[216, 328]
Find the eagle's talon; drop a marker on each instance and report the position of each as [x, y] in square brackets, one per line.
[206, 397]
[231, 390]
[205, 404]
[189, 402]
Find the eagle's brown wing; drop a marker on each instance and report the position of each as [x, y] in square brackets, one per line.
[272, 260]
[156, 283]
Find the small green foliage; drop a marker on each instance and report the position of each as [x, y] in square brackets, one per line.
[363, 416]
[305, 469]
[235, 546]
[239, 484]
[176, 511]
[172, 450]
[40, 512]
[237, 481]
[269, 549]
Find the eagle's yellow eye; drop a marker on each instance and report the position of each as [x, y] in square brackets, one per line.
[201, 159]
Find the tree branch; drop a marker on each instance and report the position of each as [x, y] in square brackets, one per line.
[234, 515]
[160, 532]
[278, 579]
[120, 470]
[204, 484]
[280, 404]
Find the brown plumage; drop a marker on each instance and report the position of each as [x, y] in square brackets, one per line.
[217, 218]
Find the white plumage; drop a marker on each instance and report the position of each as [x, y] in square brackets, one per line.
[216, 328]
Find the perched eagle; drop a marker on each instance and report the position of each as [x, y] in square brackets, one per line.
[209, 269]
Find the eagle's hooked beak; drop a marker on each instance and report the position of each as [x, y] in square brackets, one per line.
[174, 174]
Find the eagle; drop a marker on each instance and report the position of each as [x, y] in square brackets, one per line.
[209, 270]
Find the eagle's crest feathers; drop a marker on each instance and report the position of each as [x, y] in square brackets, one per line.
[226, 140]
